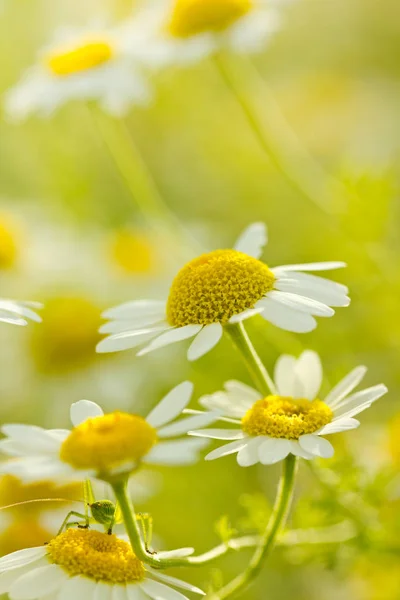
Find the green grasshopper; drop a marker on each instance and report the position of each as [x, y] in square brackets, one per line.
[102, 512]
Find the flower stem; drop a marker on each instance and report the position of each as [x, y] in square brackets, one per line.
[139, 181]
[268, 540]
[259, 373]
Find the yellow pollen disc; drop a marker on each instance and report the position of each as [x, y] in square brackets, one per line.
[133, 252]
[96, 555]
[81, 58]
[8, 245]
[281, 417]
[191, 17]
[108, 442]
[215, 286]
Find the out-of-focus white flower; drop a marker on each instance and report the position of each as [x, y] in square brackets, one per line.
[292, 421]
[18, 312]
[182, 31]
[100, 445]
[85, 64]
[222, 287]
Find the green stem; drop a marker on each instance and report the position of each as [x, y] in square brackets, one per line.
[259, 373]
[268, 540]
[138, 179]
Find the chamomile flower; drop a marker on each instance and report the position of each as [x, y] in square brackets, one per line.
[291, 421]
[18, 312]
[223, 287]
[181, 31]
[82, 563]
[84, 64]
[101, 445]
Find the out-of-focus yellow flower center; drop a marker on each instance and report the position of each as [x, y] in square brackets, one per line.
[95, 555]
[134, 252]
[8, 245]
[22, 533]
[394, 439]
[282, 417]
[68, 334]
[215, 286]
[87, 56]
[109, 442]
[191, 17]
[12, 491]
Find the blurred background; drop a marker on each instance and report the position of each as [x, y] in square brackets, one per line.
[72, 237]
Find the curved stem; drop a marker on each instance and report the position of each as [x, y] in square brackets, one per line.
[259, 373]
[138, 179]
[268, 540]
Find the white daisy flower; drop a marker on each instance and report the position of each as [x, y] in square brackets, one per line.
[85, 64]
[222, 287]
[294, 420]
[85, 564]
[103, 444]
[18, 312]
[181, 31]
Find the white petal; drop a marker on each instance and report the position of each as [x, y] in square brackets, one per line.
[21, 558]
[317, 446]
[205, 341]
[287, 318]
[297, 450]
[241, 389]
[339, 426]
[7, 578]
[136, 307]
[170, 337]
[177, 582]
[129, 339]
[345, 386]
[309, 370]
[227, 449]
[246, 314]
[124, 325]
[83, 410]
[135, 592]
[356, 403]
[180, 452]
[222, 402]
[324, 290]
[171, 405]
[38, 583]
[317, 266]
[185, 425]
[284, 374]
[219, 434]
[252, 240]
[177, 553]
[119, 592]
[159, 591]
[273, 450]
[302, 303]
[102, 591]
[248, 456]
[78, 588]
[34, 439]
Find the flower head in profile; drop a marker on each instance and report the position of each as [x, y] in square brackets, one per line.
[224, 287]
[293, 419]
[105, 445]
[82, 563]
[181, 31]
[19, 312]
[85, 64]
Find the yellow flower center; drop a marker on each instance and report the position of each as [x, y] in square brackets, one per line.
[22, 533]
[81, 58]
[394, 439]
[8, 244]
[215, 286]
[95, 555]
[109, 442]
[133, 252]
[281, 417]
[191, 17]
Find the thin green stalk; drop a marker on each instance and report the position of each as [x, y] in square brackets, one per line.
[138, 179]
[259, 373]
[268, 540]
